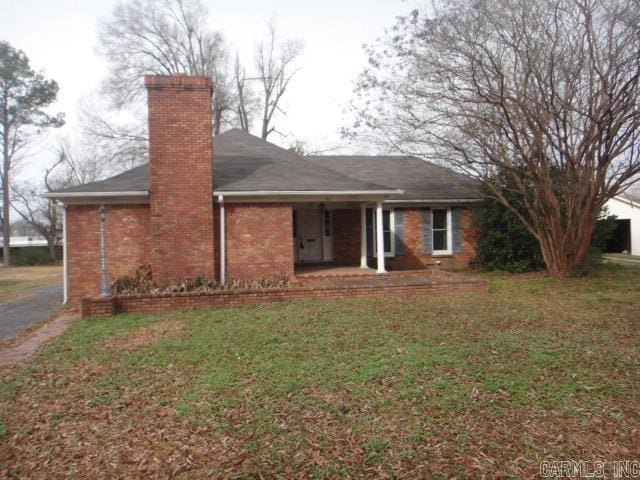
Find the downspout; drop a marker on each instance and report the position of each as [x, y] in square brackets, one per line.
[223, 267]
[65, 263]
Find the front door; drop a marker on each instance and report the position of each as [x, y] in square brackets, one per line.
[309, 235]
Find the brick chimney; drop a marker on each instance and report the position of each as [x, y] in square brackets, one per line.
[180, 176]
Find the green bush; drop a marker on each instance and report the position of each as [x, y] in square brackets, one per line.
[505, 244]
[32, 256]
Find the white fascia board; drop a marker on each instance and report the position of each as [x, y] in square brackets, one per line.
[63, 195]
[268, 193]
[98, 198]
[437, 200]
[305, 196]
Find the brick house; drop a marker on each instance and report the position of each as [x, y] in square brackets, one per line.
[237, 207]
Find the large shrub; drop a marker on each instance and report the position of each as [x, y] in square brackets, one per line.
[31, 256]
[504, 243]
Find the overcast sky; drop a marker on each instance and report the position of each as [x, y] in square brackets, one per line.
[59, 37]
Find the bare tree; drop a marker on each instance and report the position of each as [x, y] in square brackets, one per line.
[117, 141]
[275, 64]
[244, 105]
[79, 163]
[24, 97]
[75, 165]
[543, 91]
[163, 37]
[43, 215]
[225, 100]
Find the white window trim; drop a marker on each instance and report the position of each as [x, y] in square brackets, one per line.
[449, 251]
[392, 230]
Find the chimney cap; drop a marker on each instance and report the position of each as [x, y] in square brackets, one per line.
[178, 81]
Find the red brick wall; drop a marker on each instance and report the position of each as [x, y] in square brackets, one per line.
[127, 243]
[181, 176]
[414, 258]
[165, 302]
[259, 241]
[346, 237]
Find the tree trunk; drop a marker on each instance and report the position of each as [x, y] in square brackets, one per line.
[563, 256]
[6, 222]
[217, 121]
[51, 244]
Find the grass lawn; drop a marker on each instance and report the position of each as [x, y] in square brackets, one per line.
[15, 279]
[438, 386]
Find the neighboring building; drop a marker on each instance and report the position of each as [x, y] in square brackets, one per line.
[22, 242]
[23, 235]
[238, 207]
[626, 237]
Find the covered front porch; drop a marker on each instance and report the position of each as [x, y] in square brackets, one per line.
[334, 276]
[341, 238]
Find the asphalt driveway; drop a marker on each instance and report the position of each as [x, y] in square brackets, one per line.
[627, 260]
[36, 303]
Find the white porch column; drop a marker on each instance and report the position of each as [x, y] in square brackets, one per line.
[379, 238]
[363, 236]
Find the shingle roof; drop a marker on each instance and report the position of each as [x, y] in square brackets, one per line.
[419, 179]
[245, 163]
[134, 180]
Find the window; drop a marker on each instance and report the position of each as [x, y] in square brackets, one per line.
[295, 225]
[441, 225]
[327, 223]
[387, 232]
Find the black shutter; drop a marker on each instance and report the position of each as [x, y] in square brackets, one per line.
[398, 227]
[456, 230]
[427, 232]
[369, 215]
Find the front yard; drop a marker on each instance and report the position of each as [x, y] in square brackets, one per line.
[13, 280]
[436, 386]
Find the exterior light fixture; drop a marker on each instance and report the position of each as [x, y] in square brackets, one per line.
[105, 291]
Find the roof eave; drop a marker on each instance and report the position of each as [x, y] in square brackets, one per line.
[133, 196]
[293, 196]
[436, 200]
[310, 193]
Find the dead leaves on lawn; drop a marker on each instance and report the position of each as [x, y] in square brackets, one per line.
[148, 335]
[102, 417]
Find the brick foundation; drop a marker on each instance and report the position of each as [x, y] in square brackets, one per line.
[98, 307]
[167, 302]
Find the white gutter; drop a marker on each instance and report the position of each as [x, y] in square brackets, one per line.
[65, 261]
[133, 193]
[437, 200]
[223, 267]
[310, 193]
